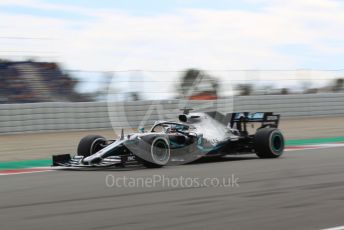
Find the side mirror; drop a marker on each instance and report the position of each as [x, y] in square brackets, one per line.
[141, 129]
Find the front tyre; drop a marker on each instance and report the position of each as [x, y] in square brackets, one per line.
[90, 144]
[269, 143]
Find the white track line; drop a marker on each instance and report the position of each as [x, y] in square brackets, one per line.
[10, 174]
[36, 170]
[335, 228]
[312, 147]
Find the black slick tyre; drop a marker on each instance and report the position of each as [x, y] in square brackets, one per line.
[269, 143]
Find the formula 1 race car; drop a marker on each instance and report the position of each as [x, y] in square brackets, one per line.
[195, 135]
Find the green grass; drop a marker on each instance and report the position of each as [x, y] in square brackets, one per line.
[314, 141]
[25, 164]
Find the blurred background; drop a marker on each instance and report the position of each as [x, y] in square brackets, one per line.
[61, 51]
[37, 81]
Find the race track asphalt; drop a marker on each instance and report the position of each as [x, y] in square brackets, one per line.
[301, 190]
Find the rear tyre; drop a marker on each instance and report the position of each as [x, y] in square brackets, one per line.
[269, 143]
[90, 144]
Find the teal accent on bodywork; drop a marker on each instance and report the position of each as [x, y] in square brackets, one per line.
[176, 145]
[210, 149]
[199, 146]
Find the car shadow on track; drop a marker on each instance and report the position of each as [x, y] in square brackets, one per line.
[204, 160]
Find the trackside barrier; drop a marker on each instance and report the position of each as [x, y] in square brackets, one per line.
[61, 116]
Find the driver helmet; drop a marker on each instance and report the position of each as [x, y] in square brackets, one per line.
[173, 128]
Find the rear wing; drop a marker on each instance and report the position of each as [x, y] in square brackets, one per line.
[267, 119]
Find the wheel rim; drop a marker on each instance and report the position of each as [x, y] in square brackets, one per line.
[96, 145]
[277, 143]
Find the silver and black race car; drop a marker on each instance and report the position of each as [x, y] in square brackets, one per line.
[193, 136]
